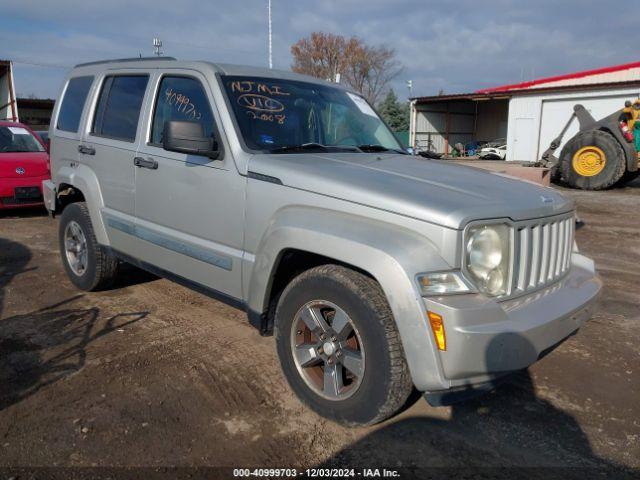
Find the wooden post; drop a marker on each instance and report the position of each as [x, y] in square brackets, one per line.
[447, 119]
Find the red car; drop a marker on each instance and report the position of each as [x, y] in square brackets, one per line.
[24, 164]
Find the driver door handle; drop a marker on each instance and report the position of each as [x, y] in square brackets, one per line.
[85, 150]
[149, 163]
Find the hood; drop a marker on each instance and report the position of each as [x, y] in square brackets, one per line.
[435, 191]
[35, 164]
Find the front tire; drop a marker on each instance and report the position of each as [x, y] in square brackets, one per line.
[88, 265]
[339, 347]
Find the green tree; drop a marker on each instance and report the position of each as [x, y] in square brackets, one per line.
[395, 113]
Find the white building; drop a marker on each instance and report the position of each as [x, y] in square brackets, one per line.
[8, 106]
[529, 115]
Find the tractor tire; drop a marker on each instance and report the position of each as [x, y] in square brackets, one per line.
[556, 174]
[592, 160]
[629, 177]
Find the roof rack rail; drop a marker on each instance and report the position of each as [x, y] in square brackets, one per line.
[121, 60]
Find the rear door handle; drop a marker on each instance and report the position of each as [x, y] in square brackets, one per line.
[86, 150]
[149, 163]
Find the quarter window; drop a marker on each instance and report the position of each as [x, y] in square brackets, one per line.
[73, 103]
[181, 98]
[119, 105]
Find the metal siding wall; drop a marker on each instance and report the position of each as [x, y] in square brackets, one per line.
[431, 123]
[628, 75]
[461, 124]
[545, 128]
[493, 117]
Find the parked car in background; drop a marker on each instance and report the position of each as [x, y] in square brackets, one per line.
[377, 272]
[493, 152]
[24, 165]
[44, 136]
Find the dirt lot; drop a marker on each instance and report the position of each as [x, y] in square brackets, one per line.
[152, 374]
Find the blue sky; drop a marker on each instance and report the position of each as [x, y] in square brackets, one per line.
[455, 46]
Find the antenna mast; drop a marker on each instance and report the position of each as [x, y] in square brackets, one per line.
[270, 44]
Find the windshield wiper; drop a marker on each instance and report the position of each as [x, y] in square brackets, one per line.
[379, 148]
[300, 148]
[318, 147]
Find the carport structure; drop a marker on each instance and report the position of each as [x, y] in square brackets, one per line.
[439, 122]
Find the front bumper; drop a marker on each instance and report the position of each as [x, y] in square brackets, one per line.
[8, 197]
[487, 339]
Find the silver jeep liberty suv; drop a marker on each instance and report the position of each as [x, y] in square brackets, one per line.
[378, 272]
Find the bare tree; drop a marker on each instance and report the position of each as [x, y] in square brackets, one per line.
[367, 69]
[320, 55]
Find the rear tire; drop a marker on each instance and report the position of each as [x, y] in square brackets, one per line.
[334, 292]
[88, 265]
[592, 160]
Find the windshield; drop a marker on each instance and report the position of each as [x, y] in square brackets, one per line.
[274, 115]
[18, 139]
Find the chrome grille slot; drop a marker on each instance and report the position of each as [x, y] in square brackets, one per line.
[544, 264]
[525, 256]
[535, 260]
[553, 254]
[542, 252]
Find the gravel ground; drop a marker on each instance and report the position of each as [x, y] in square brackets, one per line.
[150, 374]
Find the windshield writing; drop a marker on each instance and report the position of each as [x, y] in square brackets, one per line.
[273, 113]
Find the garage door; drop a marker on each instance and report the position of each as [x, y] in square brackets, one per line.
[556, 113]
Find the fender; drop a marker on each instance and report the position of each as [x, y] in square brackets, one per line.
[84, 179]
[629, 149]
[392, 254]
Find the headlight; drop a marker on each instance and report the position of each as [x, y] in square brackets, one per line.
[488, 257]
[441, 283]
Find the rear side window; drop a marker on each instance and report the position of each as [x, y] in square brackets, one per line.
[181, 98]
[118, 108]
[73, 103]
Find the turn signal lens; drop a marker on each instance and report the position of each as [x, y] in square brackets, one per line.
[438, 330]
[441, 283]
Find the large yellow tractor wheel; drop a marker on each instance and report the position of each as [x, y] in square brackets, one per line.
[592, 160]
[589, 161]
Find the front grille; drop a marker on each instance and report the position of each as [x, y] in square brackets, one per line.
[542, 252]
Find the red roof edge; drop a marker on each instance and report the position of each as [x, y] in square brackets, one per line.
[568, 76]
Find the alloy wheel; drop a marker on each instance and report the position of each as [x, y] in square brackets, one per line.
[327, 350]
[75, 246]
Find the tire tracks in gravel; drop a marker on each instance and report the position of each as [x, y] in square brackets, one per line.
[233, 367]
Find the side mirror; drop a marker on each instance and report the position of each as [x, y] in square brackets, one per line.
[188, 137]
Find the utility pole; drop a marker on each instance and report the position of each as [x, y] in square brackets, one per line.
[157, 45]
[270, 44]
